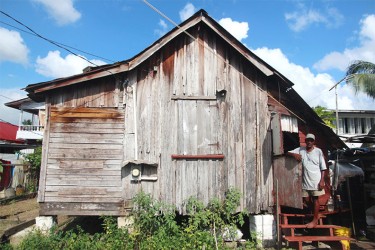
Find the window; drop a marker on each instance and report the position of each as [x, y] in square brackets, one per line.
[284, 133]
[289, 124]
[342, 127]
[350, 126]
[363, 125]
[368, 125]
[357, 126]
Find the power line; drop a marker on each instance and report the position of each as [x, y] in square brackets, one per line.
[48, 40]
[166, 17]
[6, 97]
[60, 45]
[325, 91]
[85, 52]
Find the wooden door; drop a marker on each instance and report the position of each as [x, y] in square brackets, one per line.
[288, 175]
[287, 171]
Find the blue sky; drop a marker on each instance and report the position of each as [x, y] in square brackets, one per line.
[310, 42]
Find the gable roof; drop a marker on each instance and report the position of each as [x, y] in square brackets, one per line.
[101, 71]
[294, 102]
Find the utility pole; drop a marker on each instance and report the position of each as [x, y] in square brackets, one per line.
[337, 110]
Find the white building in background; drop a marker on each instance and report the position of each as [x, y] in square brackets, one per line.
[33, 131]
[355, 123]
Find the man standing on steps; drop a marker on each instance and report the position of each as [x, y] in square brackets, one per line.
[313, 166]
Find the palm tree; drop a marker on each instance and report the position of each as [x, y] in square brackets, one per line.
[361, 76]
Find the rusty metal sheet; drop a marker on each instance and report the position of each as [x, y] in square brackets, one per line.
[288, 172]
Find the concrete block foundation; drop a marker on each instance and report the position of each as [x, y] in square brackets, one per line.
[265, 228]
[45, 223]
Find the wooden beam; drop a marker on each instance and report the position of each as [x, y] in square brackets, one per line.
[198, 157]
[18, 228]
[85, 209]
[103, 72]
[184, 97]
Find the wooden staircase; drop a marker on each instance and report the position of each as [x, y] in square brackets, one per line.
[321, 233]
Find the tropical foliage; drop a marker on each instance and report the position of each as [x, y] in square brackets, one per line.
[34, 160]
[361, 76]
[27, 122]
[326, 115]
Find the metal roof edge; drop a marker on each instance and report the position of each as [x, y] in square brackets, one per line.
[133, 62]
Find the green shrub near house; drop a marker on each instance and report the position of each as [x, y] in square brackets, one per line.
[155, 227]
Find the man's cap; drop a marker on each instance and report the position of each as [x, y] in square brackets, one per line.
[310, 136]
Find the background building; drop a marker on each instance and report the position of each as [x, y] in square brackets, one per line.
[355, 123]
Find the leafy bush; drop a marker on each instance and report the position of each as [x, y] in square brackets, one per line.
[155, 227]
[217, 218]
[38, 240]
[35, 160]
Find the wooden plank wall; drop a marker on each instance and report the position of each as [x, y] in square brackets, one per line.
[85, 151]
[178, 113]
[84, 155]
[104, 92]
[171, 107]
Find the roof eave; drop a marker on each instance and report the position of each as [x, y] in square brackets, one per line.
[112, 69]
[200, 16]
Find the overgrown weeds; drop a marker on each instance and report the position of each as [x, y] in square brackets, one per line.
[154, 227]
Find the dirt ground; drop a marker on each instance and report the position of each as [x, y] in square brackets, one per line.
[19, 209]
[17, 212]
[357, 245]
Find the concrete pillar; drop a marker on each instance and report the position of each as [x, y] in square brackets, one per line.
[45, 223]
[20, 119]
[125, 222]
[265, 228]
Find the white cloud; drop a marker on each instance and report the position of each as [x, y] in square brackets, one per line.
[163, 28]
[313, 88]
[298, 21]
[55, 66]
[237, 29]
[187, 11]
[7, 114]
[367, 28]
[62, 11]
[335, 20]
[12, 47]
[302, 18]
[365, 51]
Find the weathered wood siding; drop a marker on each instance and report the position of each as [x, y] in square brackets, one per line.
[170, 105]
[84, 151]
[178, 111]
[288, 174]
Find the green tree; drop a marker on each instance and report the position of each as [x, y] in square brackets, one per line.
[361, 76]
[327, 116]
[35, 160]
[27, 122]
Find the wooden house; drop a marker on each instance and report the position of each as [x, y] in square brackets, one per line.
[193, 114]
